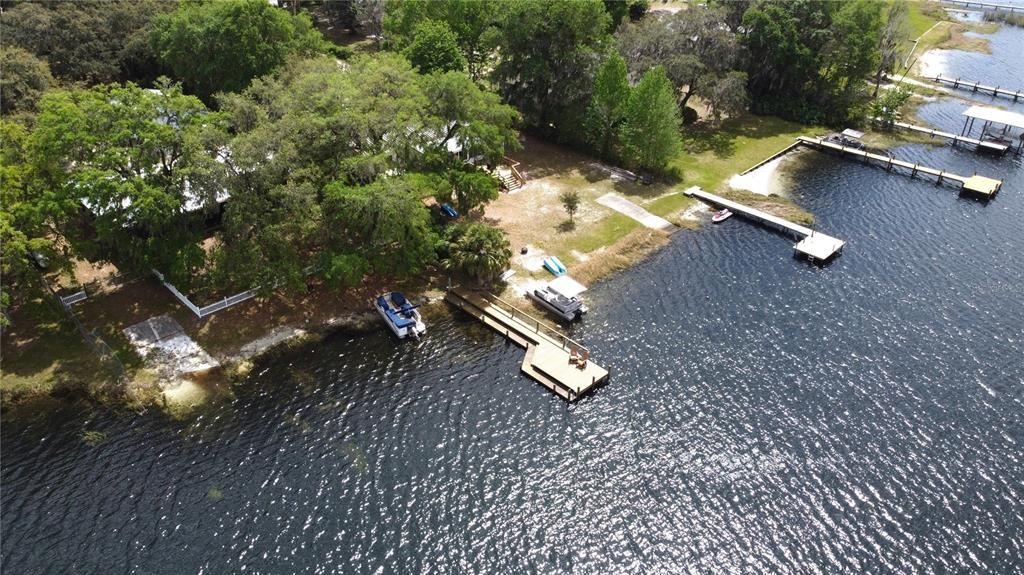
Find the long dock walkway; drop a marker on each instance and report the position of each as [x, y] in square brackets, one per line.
[978, 87]
[956, 138]
[814, 245]
[549, 354]
[980, 185]
[969, 3]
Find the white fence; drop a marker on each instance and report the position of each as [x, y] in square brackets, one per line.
[225, 303]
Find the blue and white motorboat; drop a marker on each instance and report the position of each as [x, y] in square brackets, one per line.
[400, 315]
[555, 266]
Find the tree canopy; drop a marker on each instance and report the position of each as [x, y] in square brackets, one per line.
[608, 105]
[435, 48]
[328, 157]
[696, 48]
[474, 24]
[139, 160]
[650, 131]
[23, 81]
[92, 41]
[548, 53]
[221, 46]
[808, 59]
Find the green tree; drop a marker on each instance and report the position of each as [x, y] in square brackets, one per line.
[472, 188]
[728, 95]
[385, 222]
[809, 60]
[571, 202]
[890, 40]
[143, 162]
[221, 46]
[90, 41]
[478, 250]
[695, 47]
[435, 48]
[608, 104]
[548, 53]
[886, 108]
[475, 25]
[650, 131]
[458, 110]
[29, 221]
[23, 81]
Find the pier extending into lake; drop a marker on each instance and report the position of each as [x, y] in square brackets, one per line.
[814, 245]
[982, 145]
[552, 359]
[979, 87]
[979, 185]
[983, 5]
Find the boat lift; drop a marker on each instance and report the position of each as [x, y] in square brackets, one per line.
[991, 131]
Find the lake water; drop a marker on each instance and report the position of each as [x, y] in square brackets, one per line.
[764, 415]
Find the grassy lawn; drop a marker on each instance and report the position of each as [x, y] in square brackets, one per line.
[711, 157]
[921, 16]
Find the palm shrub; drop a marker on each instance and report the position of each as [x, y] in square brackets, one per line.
[479, 251]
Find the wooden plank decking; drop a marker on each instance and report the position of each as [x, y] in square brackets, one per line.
[814, 245]
[980, 185]
[548, 352]
[981, 144]
[979, 87]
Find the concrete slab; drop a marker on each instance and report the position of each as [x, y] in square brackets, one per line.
[628, 208]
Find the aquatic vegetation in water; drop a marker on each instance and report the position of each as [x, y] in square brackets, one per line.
[356, 455]
[94, 438]
[214, 493]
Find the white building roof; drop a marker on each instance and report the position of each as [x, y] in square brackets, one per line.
[996, 115]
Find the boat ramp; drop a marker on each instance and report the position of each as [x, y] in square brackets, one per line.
[552, 359]
[978, 185]
[814, 245]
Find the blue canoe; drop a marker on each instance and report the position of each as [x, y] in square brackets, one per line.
[449, 211]
[553, 265]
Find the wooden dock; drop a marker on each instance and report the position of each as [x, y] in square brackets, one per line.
[549, 354]
[983, 5]
[978, 87]
[982, 145]
[816, 246]
[979, 185]
[781, 152]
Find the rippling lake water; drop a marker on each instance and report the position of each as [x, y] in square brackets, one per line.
[764, 415]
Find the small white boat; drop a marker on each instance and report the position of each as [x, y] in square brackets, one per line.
[561, 297]
[721, 216]
[400, 315]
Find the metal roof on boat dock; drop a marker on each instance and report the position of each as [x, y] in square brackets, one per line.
[996, 115]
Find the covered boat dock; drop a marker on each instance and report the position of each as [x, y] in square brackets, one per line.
[997, 126]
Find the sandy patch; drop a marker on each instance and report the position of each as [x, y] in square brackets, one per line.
[760, 181]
